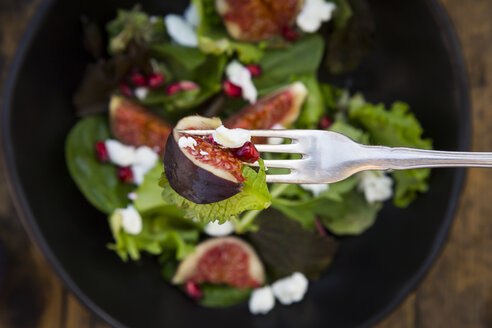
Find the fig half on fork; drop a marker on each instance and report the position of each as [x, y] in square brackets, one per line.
[200, 170]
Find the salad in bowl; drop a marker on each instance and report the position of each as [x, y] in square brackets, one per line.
[218, 230]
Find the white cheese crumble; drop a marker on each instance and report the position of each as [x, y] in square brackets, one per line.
[231, 138]
[261, 300]
[276, 141]
[215, 229]
[120, 154]
[141, 92]
[376, 186]
[132, 195]
[180, 30]
[290, 289]
[141, 159]
[313, 14]
[203, 152]
[241, 76]
[131, 220]
[184, 142]
[191, 15]
[315, 188]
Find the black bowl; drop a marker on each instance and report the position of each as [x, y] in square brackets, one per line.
[416, 58]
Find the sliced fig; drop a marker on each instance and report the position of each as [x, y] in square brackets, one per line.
[256, 20]
[134, 125]
[223, 260]
[280, 107]
[204, 173]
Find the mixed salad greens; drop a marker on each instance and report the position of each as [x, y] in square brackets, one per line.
[156, 70]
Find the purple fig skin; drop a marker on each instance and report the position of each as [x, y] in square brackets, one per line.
[194, 183]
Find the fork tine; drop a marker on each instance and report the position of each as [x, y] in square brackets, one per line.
[292, 164]
[289, 134]
[280, 178]
[197, 132]
[283, 148]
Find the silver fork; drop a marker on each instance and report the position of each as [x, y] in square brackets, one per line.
[329, 157]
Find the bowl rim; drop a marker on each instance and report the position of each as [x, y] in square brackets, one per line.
[27, 218]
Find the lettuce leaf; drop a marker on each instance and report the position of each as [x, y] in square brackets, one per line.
[217, 296]
[396, 127]
[314, 107]
[254, 196]
[161, 232]
[98, 182]
[214, 39]
[285, 247]
[280, 65]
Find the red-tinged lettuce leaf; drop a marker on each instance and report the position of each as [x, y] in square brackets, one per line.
[285, 247]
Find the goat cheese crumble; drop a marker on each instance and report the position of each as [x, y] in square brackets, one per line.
[192, 16]
[290, 289]
[141, 159]
[261, 300]
[315, 188]
[184, 142]
[180, 30]
[131, 221]
[376, 186]
[313, 14]
[141, 92]
[241, 76]
[231, 138]
[215, 229]
[276, 141]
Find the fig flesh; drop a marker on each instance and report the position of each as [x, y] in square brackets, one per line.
[222, 260]
[204, 173]
[134, 125]
[257, 20]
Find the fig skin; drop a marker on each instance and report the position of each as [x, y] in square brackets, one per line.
[133, 124]
[196, 181]
[187, 268]
[257, 20]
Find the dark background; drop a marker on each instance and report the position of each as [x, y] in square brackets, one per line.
[456, 293]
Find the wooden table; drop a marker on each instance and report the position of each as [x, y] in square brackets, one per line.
[457, 292]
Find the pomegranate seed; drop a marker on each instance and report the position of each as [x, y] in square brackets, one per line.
[125, 174]
[255, 70]
[188, 85]
[193, 290]
[247, 153]
[173, 88]
[211, 140]
[289, 34]
[156, 80]
[231, 89]
[139, 80]
[125, 89]
[102, 152]
[324, 123]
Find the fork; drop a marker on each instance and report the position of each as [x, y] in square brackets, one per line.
[329, 157]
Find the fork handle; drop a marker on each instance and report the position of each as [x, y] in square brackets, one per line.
[380, 157]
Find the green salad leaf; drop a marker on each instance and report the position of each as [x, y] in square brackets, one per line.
[217, 296]
[129, 26]
[352, 216]
[160, 233]
[214, 39]
[149, 193]
[98, 182]
[285, 247]
[254, 196]
[314, 107]
[396, 127]
[189, 58]
[279, 65]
